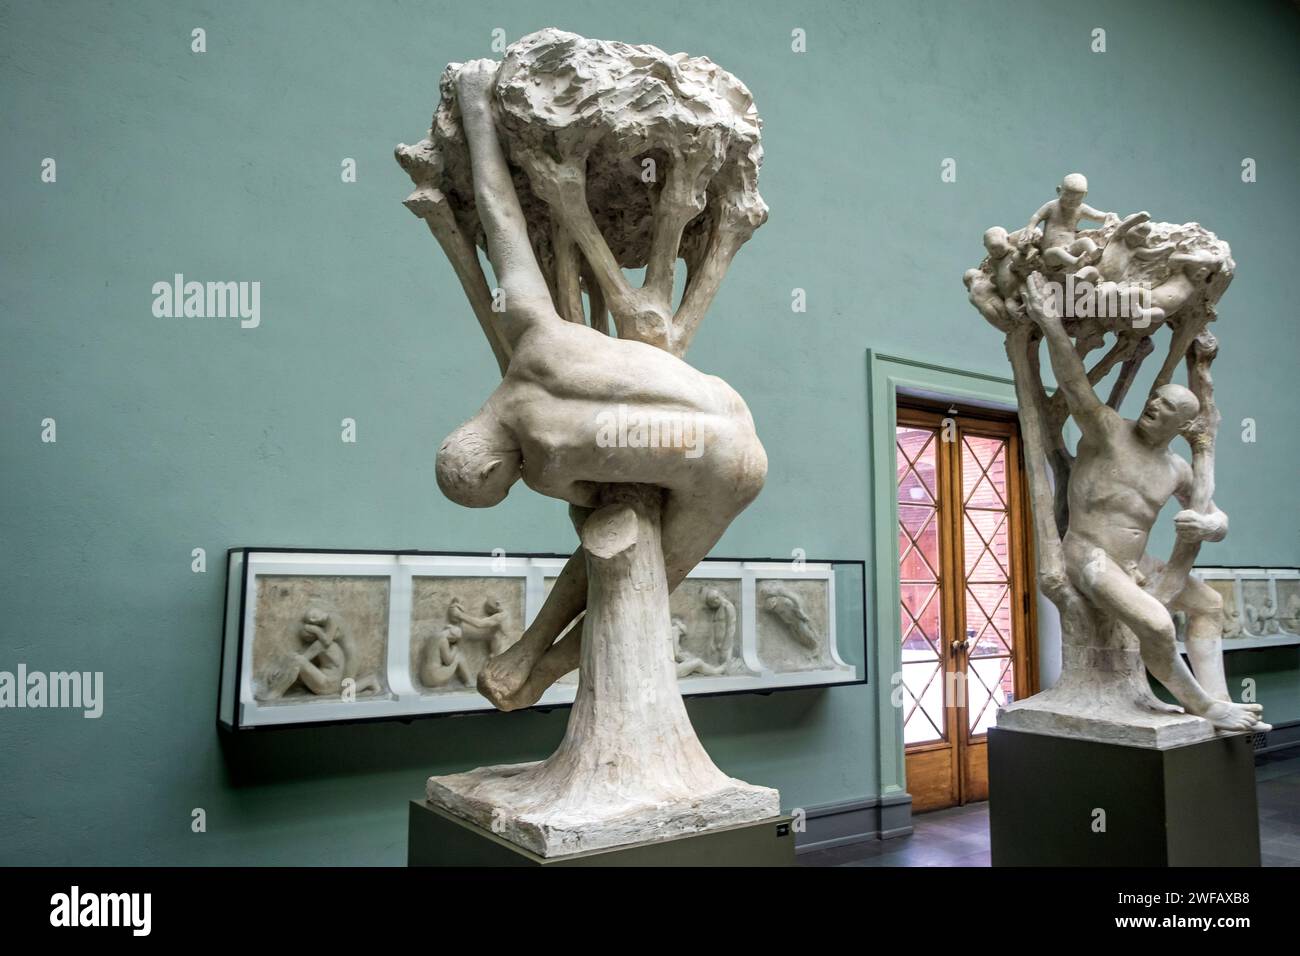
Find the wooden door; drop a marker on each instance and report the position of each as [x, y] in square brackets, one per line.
[966, 611]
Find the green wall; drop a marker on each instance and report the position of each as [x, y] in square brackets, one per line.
[182, 433]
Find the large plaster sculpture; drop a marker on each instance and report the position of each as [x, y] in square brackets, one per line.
[1078, 291]
[570, 161]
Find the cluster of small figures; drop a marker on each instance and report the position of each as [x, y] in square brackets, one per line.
[442, 660]
[1098, 274]
[1263, 621]
[777, 600]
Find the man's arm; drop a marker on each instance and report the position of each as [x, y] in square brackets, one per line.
[1072, 378]
[482, 623]
[1027, 234]
[1193, 525]
[1087, 212]
[527, 297]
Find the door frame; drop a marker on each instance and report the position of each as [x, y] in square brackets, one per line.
[887, 377]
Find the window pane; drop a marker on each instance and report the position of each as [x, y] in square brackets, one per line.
[986, 542]
[919, 588]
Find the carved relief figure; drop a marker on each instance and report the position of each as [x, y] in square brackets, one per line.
[456, 647]
[442, 660]
[319, 636]
[1291, 615]
[1261, 619]
[329, 657]
[1231, 622]
[688, 663]
[722, 624]
[495, 626]
[786, 606]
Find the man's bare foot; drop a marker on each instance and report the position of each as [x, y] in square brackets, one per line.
[1226, 715]
[521, 683]
[527, 695]
[502, 676]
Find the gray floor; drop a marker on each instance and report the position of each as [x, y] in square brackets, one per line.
[960, 836]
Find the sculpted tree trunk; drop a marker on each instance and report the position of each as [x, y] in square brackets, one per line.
[640, 160]
[629, 744]
[1074, 290]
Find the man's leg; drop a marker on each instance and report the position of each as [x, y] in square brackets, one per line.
[1204, 608]
[502, 679]
[690, 526]
[1113, 592]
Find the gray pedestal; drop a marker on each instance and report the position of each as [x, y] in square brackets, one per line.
[1057, 801]
[438, 838]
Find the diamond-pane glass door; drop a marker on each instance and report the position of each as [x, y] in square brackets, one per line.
[964, 609]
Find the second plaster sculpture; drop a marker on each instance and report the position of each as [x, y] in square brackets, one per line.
[569, 161]
[1077, 291]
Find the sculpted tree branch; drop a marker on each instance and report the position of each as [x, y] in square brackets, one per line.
[642, 161]
[1201, 434]
[432, 206]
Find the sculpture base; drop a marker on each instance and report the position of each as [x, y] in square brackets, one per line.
[493, 798]
[436, 837]
[1060, 802]
[1093, 717]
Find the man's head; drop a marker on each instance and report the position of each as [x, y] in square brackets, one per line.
[996, 242]
[478, 463]
[712, 597]
[1072, 190]
[1167, 412]
[491, 606]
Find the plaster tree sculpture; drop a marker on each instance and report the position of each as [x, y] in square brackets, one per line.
[570, 161]
[1115, 287]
